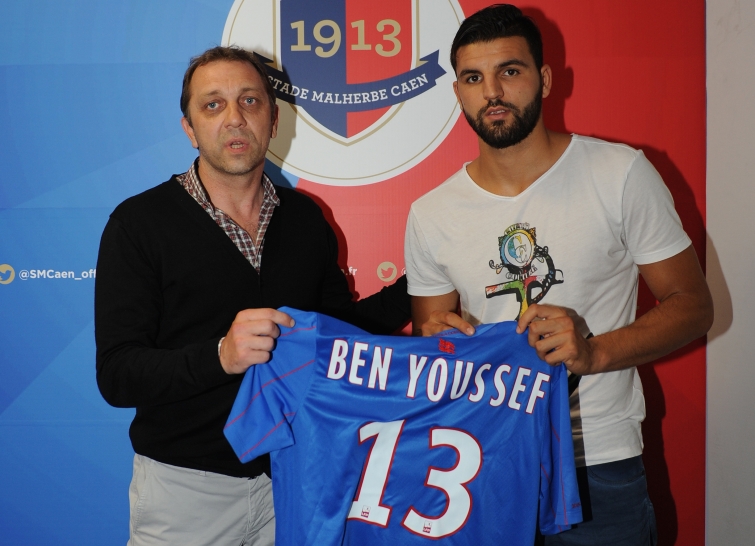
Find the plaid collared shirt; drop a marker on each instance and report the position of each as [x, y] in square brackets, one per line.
[250, 247]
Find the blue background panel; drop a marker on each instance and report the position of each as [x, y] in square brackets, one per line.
[89, 110]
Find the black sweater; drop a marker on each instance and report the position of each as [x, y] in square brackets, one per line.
[169, 284]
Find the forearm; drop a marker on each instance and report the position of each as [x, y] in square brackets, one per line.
[684, 313]
[673, 323]
[381, 313]
[385, 311]
[132, 376]
[134, 367]
[433, 314]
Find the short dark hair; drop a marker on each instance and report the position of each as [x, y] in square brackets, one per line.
[498, 21]
[221, 53]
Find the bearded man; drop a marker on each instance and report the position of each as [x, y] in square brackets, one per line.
[552, 230]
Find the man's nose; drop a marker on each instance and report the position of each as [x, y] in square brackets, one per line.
[233, 115]
[492, 89]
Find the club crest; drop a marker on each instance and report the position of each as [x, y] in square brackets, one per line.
[364, 88]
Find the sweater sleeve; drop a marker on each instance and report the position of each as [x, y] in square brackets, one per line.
[132, 370]
[381, 313]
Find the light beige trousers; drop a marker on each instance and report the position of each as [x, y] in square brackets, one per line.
[174, 505]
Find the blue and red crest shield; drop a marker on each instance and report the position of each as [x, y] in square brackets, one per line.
[347, 62]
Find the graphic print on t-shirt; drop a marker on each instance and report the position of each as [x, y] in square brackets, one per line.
[523, 262]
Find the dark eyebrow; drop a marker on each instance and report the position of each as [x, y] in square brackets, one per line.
[467, 72]
[504, 64]
[213, 92]
[513, 62]
[209, 94]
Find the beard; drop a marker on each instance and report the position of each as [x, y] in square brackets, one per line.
[498, 134]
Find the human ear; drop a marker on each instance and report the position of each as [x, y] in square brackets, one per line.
[189, 130]
[458, 97]
[546, 79]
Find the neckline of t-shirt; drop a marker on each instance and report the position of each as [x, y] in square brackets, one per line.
[531, 187]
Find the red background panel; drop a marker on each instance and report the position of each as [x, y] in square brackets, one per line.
[632, 72]
[366, 65]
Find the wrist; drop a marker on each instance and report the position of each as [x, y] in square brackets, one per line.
[220, 357]
[598, 357]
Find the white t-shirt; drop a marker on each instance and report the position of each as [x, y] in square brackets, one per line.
[574, 239]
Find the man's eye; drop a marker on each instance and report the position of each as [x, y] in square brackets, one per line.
[473, 79]
[511, 72]
[212, 105]
[249, 100]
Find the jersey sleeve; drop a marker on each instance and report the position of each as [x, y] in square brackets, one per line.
[560, 506]
[652, 228]
[271, 393]
[424, 276]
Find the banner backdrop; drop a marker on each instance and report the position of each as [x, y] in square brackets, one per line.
[89, 115]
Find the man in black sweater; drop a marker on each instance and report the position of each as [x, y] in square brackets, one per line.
[189, 276]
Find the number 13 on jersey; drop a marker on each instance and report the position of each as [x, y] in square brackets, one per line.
[368, 502]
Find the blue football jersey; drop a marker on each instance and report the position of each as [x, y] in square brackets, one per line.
[380, 439]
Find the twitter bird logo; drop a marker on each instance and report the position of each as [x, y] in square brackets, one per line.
[7, 274]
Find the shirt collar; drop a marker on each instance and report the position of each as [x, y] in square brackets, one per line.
[194, 186]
